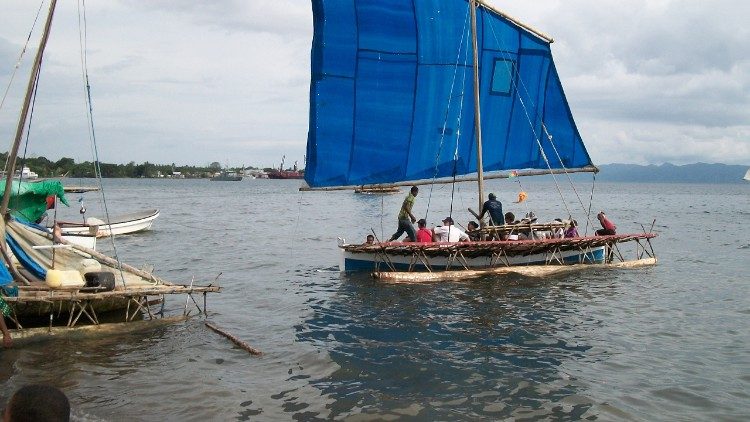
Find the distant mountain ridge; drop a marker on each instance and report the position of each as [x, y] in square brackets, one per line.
[670, 173]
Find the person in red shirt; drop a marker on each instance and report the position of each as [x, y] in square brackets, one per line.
[424, 234]
[608, 227]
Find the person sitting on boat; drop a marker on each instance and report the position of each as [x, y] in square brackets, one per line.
[557, 232]
[608, 227]
[473, 231]
[424, 234]
[406, 218]
[448, 233]
[510, 218]
[572, 230]
[370, 240]
[494, 208]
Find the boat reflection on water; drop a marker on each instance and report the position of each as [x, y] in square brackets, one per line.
[491, 348]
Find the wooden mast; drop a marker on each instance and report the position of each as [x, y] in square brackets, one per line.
[477, 115]
[13, 153]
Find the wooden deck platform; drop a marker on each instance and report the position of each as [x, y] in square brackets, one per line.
[37, 301]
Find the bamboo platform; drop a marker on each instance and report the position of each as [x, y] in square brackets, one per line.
[488, 247]
[456, 260]
[84, 304]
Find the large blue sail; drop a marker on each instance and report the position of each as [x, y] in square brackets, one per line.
[391, 95]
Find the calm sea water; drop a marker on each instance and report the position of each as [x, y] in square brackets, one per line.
[669, 342]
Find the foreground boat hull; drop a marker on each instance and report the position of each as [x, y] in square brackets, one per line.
[364, 261]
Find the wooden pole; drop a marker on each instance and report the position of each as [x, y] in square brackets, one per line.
[521, 173]
[235, 340]
[537, 33]
[13, 153]
[477, 114]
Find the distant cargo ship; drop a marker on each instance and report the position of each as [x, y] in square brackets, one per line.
[280, 173]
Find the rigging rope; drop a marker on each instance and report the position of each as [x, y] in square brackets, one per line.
[18, 64]
[570, 180]
[591, 200]
[83, 43]
[20, 56]
[448, 108]
[533, 129]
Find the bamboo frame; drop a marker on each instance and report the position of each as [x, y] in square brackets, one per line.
[500, 252]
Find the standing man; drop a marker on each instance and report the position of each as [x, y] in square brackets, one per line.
[495, 208]
[406, 218]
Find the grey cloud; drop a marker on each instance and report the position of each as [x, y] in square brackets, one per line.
[285, 18]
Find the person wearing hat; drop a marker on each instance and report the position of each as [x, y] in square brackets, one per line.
[406, 218]
[494, 208]
[448, 233]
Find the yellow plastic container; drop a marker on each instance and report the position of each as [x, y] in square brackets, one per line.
[58, 279]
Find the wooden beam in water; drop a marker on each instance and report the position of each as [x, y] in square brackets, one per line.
[241, 344]
[27, 335]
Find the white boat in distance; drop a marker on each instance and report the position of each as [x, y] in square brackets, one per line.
[124, 224]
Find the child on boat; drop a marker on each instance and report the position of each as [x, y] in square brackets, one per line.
[424, 234]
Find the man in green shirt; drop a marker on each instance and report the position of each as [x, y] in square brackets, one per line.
[406, 218]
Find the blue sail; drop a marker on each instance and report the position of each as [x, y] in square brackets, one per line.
[391, 94]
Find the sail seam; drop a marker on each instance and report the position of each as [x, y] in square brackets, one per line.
[354, 99]
[447, 110]
[417, 67]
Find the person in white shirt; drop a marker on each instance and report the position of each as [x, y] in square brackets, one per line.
[448, 233]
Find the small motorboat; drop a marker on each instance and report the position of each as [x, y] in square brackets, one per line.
[124, 224]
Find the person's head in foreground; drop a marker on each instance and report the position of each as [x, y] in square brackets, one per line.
[37, 403]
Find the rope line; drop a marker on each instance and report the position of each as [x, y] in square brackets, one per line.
[515, 83]
[448, 108]
[20, 56]
[83, 44]
[570, 180]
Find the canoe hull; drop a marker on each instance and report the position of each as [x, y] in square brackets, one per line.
[364, 261]
[123, 225]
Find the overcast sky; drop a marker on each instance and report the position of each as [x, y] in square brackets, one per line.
[192, 82]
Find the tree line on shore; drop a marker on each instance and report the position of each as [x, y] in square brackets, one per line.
[68, 167]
